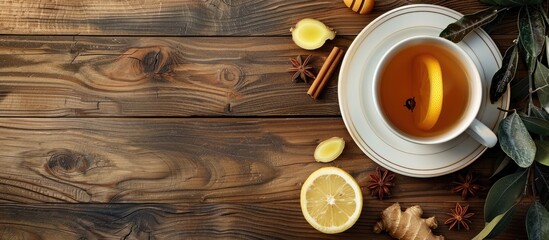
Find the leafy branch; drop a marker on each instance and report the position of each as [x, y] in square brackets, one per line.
[523, 135]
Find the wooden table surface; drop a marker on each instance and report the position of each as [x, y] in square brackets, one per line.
[177, 119]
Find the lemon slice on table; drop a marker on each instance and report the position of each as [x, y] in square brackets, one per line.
[329, 149]
[427, 85]
[331, 200]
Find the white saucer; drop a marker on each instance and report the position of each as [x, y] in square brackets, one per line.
[355, 86]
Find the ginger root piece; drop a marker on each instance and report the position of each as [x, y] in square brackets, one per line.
[407, 225]
[311, 34]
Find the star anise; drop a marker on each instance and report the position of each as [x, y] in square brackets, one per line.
[459, 217]
[301, 68]
[467, 185]
[380, 183]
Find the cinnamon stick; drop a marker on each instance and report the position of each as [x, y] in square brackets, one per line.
[325, 72]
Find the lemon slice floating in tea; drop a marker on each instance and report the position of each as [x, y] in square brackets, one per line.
[331, 200]
[329, 149]
[427, 85]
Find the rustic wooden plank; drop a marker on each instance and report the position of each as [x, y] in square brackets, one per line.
[133, 76]
[205, 221]
[209, 176]
[190, 17]
[182, 160]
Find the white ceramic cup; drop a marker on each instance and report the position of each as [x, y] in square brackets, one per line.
[467, 121]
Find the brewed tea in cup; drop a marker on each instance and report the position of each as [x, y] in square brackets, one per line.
[427, 90]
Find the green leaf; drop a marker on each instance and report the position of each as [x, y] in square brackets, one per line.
[505, 74]
[456, 31]
[501, 219]
[491, 26]
[504, 163]
[546, 18]
[536, 222]
[539, 112]
[515, 140]
[512, 3]
[536, 125]
[542, 153]
[503, 223]
[503, 194]
[528, 60]
[520, 90]
[541, 182]
[531, 30]
[541, 80]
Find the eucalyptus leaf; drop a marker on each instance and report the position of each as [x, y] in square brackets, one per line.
[529, 60]
[504, 163]
[536, 125]
[511, 3]
[541, 80]
[456, 31]
[489, 27]
[537, 218]
[505, 74]
[546, 39]
[541, 181]
[515, 140]
[542, 153]
[503, 223]
[531, 30]
[520, 90]
[545, 17]
[500, 219]
[539, 112]
[503, 194]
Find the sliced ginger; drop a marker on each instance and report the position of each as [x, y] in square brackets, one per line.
[427, 84]
[407, 225]
[329, 149]
[311, 34]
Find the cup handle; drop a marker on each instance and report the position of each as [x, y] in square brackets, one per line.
[482, 134]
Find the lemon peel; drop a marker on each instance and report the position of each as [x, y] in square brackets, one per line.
[428, 86]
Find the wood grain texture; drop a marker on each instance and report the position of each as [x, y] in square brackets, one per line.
[132, 76]
[176, 119]
[191, 17]
[207, 221]
[180, 161]
[207, 176]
